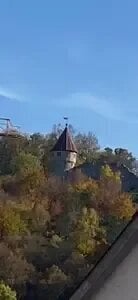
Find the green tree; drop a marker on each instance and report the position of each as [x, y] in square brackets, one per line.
[26, 164]
[10, 222]
[6, 292]
[88, 233]
[122, 156]
[37, 143]
[28, 173]
[9, 149]
[118, 156]
[108, 150]
[106, 156]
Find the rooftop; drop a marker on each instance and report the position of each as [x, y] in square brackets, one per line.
[65, 142]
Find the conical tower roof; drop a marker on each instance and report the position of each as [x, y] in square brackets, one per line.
[65, 142]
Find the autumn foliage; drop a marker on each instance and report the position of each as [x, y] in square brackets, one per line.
[51, 231]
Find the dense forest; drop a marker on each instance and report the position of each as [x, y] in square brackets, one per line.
[53, 232]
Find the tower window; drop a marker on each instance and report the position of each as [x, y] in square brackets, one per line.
[58, 154]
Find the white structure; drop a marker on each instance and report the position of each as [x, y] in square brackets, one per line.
[123, 283]
[115, 276]
[64, 153]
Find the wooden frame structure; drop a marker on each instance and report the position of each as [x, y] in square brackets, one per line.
[7, 129]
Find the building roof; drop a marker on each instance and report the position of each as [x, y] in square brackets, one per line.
[65, 142]
[108, 263]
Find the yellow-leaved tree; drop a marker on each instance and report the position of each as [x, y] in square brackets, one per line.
[6, 293]
[110, 198]
[88, 233]
[87, 192]
[10, 222]
[123, 207]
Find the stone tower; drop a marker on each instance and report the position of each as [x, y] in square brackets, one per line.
[64, 153]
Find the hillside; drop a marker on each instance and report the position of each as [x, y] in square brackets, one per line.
[53, 231]
[93, 170]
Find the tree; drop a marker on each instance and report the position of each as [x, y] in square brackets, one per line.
[14, 268]
[108, 150]
[113, 226]
[9, 149]
[118, 156]
[122, 156]
[56, 275]
[107, 174]
[109, 187]
[110, 199]
[6, 292]
[26, 164]
[123, 207]
[86, 191]
[87, 145]
[39, 218]
[37, 143]
[28, 173]
[10, 222]
[106, 156]
[53, 231]
[88, 233]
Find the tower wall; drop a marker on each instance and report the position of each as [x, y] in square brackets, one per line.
[63, 161]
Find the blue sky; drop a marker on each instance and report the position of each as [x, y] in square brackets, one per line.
[77, 58]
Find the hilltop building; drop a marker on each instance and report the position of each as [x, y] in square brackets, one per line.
[64, 153]
[64, 156]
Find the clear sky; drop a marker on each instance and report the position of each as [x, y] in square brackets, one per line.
[77, 58]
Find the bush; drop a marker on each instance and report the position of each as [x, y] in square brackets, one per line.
[6, 293]
[56, 275]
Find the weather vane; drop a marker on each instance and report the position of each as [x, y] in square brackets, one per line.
[66, 118]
